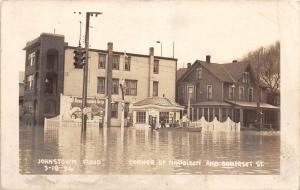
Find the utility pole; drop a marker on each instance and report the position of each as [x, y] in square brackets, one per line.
[173, 48]
[122, 86]
[85, 70]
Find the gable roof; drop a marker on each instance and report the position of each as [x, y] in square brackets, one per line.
[157, 101]
[180, 72]
[229, 72]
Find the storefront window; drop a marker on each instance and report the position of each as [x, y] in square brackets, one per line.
[140, 117]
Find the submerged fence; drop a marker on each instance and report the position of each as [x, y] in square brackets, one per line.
[216, 125]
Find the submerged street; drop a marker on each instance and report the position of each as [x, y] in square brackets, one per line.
[66, 150]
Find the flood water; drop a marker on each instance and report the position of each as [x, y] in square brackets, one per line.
[66, 150]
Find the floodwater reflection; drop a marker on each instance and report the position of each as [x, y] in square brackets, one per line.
[66, 150]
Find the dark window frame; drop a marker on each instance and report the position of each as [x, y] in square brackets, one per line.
[114, 110]
[156, 66]
[101, 63]
[131, 87]
[155, 90]
[140, 117]
[115, 86]
[127, 65]
[116, 62]
[100, 88]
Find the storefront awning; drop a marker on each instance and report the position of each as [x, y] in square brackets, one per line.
[252, 104]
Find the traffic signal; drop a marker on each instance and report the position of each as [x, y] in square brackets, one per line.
[79, 57]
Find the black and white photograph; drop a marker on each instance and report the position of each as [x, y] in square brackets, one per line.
[148, 94]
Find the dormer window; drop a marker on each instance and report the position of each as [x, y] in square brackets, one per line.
[246, 77]
[199, 73]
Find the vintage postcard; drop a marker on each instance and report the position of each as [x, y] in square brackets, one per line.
[150, 94]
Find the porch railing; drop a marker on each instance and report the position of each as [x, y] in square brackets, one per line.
[216, 125]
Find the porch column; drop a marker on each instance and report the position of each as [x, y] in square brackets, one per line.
[157, 119]
[134, 117]
[192, 118]
[197, 114]
[202, 110]
[242, 117]
[220, 113]
[147, 117]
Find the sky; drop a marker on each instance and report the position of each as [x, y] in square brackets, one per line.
[224, 30]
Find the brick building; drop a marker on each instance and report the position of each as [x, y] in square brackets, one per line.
[224, 90]
[50, 72]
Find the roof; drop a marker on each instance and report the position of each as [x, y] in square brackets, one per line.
[180, 72]
[211, 103]
[38, 39]
[252, 104]
[127, 53]
[228, 72]
[159, 101]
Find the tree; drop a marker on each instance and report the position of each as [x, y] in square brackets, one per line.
[265, 62]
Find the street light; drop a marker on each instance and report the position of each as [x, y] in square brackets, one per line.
[159, 42]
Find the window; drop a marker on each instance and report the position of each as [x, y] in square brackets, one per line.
[250, 91]
[245, 77]
[29, 82]
[209, 92]
[164, 116]
[199, 73]
[156, 66]
[140, 117]
[101, 85]
[114, 110]
[37, 59]
[115, 86]
[131, 87]
[231, 93]
[101, 61]
[127, 63]
[241, 93]
[115, 62]
[31, 59]
[155, 88]
[190, 91]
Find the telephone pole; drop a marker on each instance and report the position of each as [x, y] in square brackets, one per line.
[85, 70]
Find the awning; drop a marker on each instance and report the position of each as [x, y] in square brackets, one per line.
[210, 103]
[252, 104]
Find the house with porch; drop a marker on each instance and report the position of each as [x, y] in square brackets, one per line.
[224, 90]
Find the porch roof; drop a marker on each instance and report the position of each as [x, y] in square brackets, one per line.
[211, 103]
[252, 104]
[157, 102]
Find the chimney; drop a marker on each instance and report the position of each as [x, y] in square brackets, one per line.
[109, 46]
[207, 58]
[151, 51]
[234, 61]
[189, 65]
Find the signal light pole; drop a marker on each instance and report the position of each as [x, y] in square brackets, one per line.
[85, 63]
